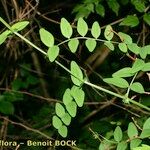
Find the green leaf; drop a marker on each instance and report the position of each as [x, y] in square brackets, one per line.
[19, 25]
[145, 133]
[63, 131]
[46, 37]
[130, 20]
[134, 48]
[109, 45]
[90, 44]
[66, 119]
[67, 98]
[132, 130]
[6, 108]
[108, 33]
[119, 82]
[90, 7]
[138, 65]
[57, 123]
[100, 10]
[124, 72]
[114, 5]
[73, 45]
[139, 5]
[3, 36]
[77, 75]
[78, 94]
[146, 67]
[82, 27]
[143, 52]
[137, 87]
[52, 53]
[147, 124]
[122, 146]
[59, 109]
[143, 147]
[125, 38]
[72, 108]
[146, 18]
[123, 47]
[118, 134]
[104, 145]
[135, 143]
[66, 28]
[96, 30]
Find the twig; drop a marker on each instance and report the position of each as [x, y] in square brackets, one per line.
[27, 128]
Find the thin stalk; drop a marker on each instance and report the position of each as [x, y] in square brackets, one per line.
[128, 90]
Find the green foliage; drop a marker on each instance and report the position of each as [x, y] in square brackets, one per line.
[74, 97]
[146, 18]
[132, 130]
[90, 44]
[46, 37]
[118, 134]
[76, 74]
[130, 20]
[96, 30]
[66, 28]
[19, 25]
[122, 140]
[123, 47]
[53, 52]
[108, 33]
[73, 45]
[82, 27]
[137, 87]
[124, 72]
[117, 81]
[114, 5]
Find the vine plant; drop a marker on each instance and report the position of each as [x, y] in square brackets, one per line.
[74, 97]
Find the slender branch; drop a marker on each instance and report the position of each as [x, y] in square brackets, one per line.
[85, 82]
[27, 128]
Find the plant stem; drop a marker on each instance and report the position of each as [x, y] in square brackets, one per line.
[128, 90]
[85, 82]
